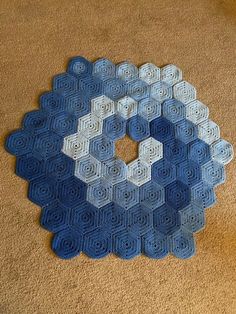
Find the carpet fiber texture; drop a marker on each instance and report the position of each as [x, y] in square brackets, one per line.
[38, 38]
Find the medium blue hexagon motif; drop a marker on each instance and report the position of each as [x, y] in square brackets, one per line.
[92, 200]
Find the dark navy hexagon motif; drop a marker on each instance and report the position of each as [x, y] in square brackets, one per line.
[55, 217]
[84, 217]
[177, 195]
[162, 129]
[91, 200]
[138, 128]
[43, 190]
[175, 151]
[72, 191]
[29, 167]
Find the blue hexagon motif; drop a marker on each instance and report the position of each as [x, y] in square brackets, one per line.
[64, 124]
[20, 142]
[65, 83]
[114, 170]
[97, 243]
[152, 195]
[72, 191]
[77, 105]
[126, 194]
[114, 127]
[149, 109]
[213, 173]
[113, 217]
[162, 129]
[155, 244]
[166, 219]
[79, 66]
[43, 190]
[102, 148]
[47, 144]
[139, 220]
[92, 200]
[115, 88]
[138, 89]
[88, 168]
[60, 167]
[29, 167]
[161, 91]
[192, 218]
[175, 151]
[173, 110]
[203, 195]
[84, 217]
[55, 217]
[189, 172]
[177, 195]
[138, 128]
[67, 243]
[163, 172]
[126, 245]
[199, 151]
[36, 121]
[126, 71]
[91, 86]
[99, 193]
[182, 244]
[186, 131]
[52, 103]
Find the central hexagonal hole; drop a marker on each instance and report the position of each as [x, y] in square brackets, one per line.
[126, 149]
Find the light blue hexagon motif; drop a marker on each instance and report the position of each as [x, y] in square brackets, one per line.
[91, 199]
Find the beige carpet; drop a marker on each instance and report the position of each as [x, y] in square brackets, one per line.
[37, 38]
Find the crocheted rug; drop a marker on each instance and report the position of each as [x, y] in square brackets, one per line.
[92, 200]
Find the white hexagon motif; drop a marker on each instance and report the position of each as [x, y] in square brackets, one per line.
[196, 112]
[185, 92]
[139, 172]
[161, 91]
[90, 125]
[208, 131]
[127, 107]
[149, 73]
[150, 150]
[222, 151]
[171, 74]
[102, 107]
[88, 168]
[126, 71]
[75, 146]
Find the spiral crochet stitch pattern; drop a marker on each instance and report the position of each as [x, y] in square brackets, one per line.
[91, 199]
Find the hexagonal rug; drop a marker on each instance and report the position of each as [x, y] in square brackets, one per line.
[91, 199]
